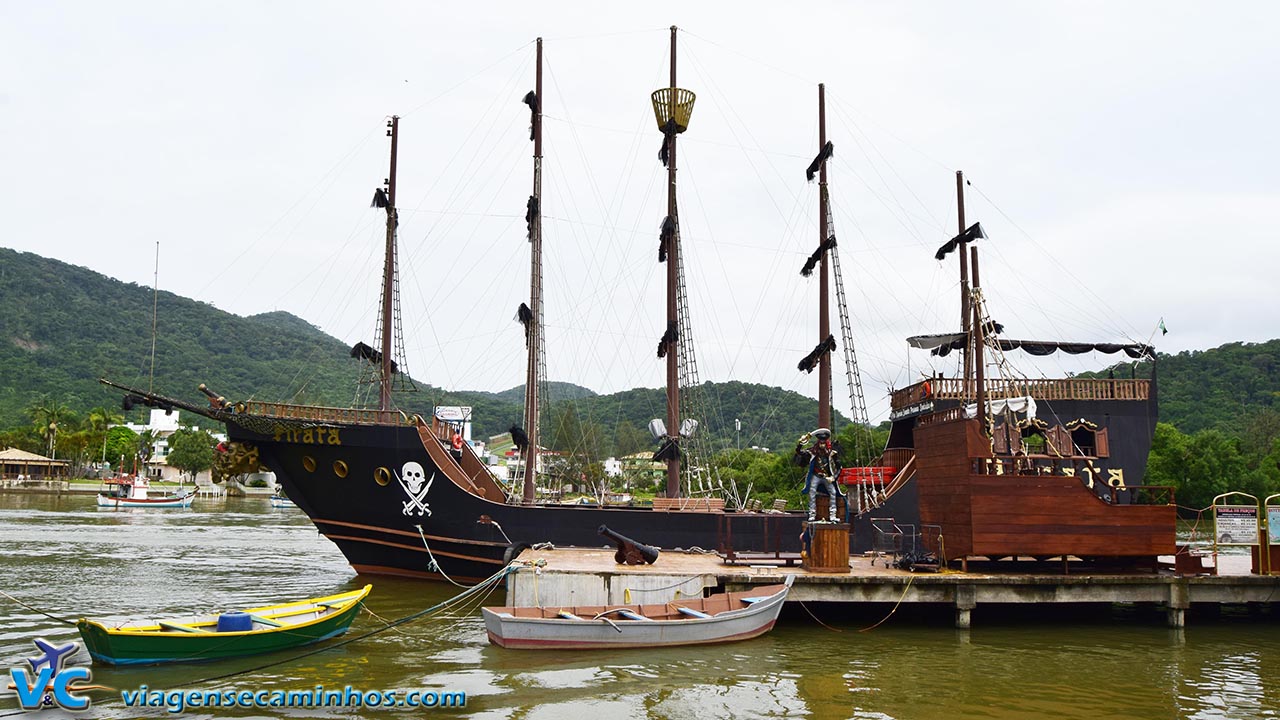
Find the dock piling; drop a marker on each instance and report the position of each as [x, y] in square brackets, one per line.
[1179, 601]
[966, 601]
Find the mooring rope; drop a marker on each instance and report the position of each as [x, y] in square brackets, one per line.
[895, 606]
[815, 618]
[626, 593]
[432, 558]
[35, 610]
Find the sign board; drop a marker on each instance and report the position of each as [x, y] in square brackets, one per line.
[1235, 524]
[1273, 524]
[450, 413]
[457, 417]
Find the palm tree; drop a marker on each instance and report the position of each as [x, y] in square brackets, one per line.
[48, 415]
[146, 446]
[99, 421]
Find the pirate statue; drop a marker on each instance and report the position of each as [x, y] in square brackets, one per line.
[816, 449]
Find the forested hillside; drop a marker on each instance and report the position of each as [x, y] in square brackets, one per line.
[62, 327]
[1212, 389]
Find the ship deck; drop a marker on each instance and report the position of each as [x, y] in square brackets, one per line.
[589, 576]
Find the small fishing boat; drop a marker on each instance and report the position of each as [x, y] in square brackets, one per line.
[132, 491]
[724, 617]
[280, 502]
[225, 635]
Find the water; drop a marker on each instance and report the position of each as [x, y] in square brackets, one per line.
[67, 557]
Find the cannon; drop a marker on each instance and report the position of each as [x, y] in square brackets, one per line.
[216, 401]
[629, 552]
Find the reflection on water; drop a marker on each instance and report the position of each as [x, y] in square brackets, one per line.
[67, 557]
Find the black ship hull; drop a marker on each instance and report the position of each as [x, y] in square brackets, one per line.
[359, 484]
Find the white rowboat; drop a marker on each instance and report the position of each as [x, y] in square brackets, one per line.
[725, 617]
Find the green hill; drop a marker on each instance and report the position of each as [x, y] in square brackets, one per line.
[62, 327]
[1213, 389]
[559, 391]
[1219, 427]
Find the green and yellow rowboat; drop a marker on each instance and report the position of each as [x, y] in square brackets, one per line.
[225, 635]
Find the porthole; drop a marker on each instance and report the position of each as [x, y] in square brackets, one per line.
[340, 468]
[309, 463]
[382, 476]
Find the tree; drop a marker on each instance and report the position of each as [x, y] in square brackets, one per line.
[48, 418]
[97, 422]
[191, 451]
[1200, 466]
[121, 443]
[146, 445]
[770, 476]
[861, 445]
[571, 435]
[23, 438]
[629, 439]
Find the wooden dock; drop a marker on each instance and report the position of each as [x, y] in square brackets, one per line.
[587, 576]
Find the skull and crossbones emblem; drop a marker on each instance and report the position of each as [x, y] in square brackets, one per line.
[416, 485]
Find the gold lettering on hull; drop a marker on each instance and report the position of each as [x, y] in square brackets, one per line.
[309, 436]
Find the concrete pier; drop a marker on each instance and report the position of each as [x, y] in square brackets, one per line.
[581, 576]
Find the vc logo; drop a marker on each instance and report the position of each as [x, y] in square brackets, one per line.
[49, 682]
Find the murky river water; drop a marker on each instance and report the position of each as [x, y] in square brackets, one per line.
[67, 557]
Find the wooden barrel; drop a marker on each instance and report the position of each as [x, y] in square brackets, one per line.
[824, 501]
[828, 548]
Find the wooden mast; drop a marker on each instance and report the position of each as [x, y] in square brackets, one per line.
[673, 279]
[964, 286]
[532, 384]
[978, 345]
[389, 271]
[824, 310]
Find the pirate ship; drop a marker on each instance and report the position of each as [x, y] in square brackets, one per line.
[994, 464]
[383, 485]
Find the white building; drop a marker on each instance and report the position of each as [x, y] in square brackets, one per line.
[163, 424]
[613, 467]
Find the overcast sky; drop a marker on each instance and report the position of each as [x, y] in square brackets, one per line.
[1122, 156]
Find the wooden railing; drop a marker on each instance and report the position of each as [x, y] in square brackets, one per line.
[689, 504]
[318, 413]
[896, 457]
[955, 413]
[1061, 389]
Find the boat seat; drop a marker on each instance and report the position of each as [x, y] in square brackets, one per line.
[567, 615]
[179, 628]
[692, 613]
[634, 616]
[752, 600]
[267, 621]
